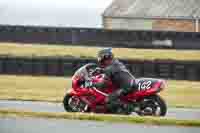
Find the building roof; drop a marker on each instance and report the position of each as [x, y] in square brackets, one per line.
[183, 9]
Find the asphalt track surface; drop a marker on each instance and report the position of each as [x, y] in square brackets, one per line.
[40, 125]
[178, 113]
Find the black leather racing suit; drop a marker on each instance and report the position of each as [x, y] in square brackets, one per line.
[122, 78]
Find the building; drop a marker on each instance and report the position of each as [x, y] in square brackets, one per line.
[170, 15]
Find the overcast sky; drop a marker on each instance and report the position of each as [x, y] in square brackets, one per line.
[76, 13]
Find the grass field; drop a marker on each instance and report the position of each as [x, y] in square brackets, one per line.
[177, 94]
[100, 117]
[14, 49]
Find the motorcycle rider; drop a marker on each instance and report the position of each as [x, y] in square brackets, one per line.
[119, 75]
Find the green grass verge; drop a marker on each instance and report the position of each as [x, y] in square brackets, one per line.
[16, 49]
[101, 117]
[177, 94]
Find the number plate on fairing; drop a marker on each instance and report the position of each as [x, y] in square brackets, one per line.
[145, 84]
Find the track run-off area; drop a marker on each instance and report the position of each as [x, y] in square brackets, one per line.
[177, 113]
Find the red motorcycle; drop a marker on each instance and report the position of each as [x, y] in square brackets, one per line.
[145, 100]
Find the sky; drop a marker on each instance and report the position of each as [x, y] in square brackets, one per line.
[68, 13]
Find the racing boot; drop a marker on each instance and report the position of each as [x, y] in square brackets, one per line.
[113, 103]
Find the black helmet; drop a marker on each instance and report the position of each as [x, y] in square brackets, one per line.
[105, 54]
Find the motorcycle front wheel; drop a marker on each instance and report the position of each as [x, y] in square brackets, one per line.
[66, 103]
[74, 104]
[152, 105]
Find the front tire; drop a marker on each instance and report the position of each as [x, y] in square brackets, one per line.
[74, 104]
[153, 105]
[65, 103]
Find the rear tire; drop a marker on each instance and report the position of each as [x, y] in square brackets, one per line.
[154, 102]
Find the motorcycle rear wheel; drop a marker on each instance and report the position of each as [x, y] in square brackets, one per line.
[153, 105]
